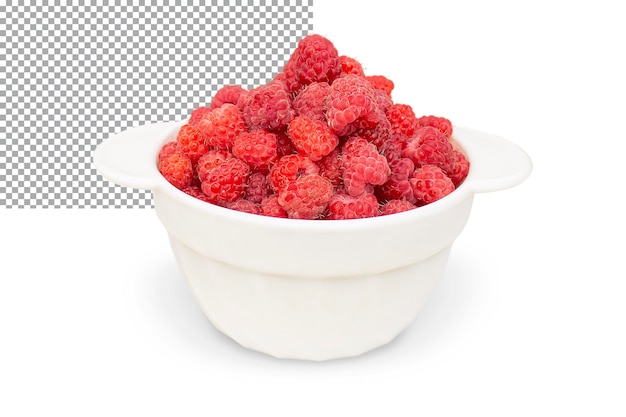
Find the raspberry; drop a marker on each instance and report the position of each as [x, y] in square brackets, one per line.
[379, 134]
[289, 168]
[380, 82]
[198, 114]
[315, 59]
[227, 94]
[306, 197]
[383, 100]
[220, 126]
[258, 188]
[396, 206]
[441, 123]
[267, 107]
[210, 160]
[311, 101]
[351, 105]
[177, 170]
[430, 183]
[196, 192]
[344, 206]
[225, 183]
[245, 206]
[257, 149]
[429, 146]
[330, 167]
[398, 186]
[403, 120]
[270, 207]
[190, 143]
[312, 138]
[166, 150]
[351, 66]
[392, 148]
[283, 143]
[362, 165]
[460, 170]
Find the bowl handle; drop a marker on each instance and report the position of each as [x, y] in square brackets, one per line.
[128, 158]
[496, 163]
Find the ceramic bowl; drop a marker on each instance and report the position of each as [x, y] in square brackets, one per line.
[309, 289]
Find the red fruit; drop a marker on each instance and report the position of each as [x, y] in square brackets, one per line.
[210, 160]
[460, 170]
[196, 192]
[226, 182]
[306, 197]
[227, 94]
[198, 114]
[330, 167]
[312, 138]
[430, 183]
[166, 150]
[190, 143]
[219, 127]
[429, 146]
[289, 168]
[379, 134]
[351, 105]
[258, 189]
[398, 186]
[245, 206]
[311, 101]
[314, 59]
[362, 165]
[392, 147]
[396, 206]
[440, 123]
[380, 82]
[267, 107]
[351, 66]
[344, 206]
[283, 143]
[403, 120]
[177, 170]
[270, 207]
[383, 100]
[257, 149]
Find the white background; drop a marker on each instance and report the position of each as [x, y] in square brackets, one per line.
[529, 318]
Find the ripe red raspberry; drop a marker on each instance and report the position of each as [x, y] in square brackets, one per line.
[244, 206]
[398, 186]
[196, 192]
[306, 197]
[351, 66]
[311, 101]
[343, 206]
[258, 188]
[315, 59]
[392, 147]
[166, 150]
[330, 167]
[267, 107]
[289, 168]
[283, 143]
[383, 101]
[362, 165]
[430, 183]
[351, 105]
[380, 82]
[256, 148]
[227, 94]
[312, 138]
[379, 134]
[198, 114]
[226, 182]
[210, 160]
[429, 146]
[403, 120]
[270, 207]
[460, 170]
[441, 123]
[219, 127]
[190, 143]
[396, 206]
[177, 170]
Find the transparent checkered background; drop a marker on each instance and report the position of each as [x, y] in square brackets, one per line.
[72, 75]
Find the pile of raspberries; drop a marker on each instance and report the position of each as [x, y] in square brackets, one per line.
[321, 140]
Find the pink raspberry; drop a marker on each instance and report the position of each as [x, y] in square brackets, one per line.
[306, 197]
[244, 206]
[267, 107]
[403, 120]
[311, 137]
[428, 146]
[383, 101]
[196, 192]
[166, 150]
[380, 82]
[198, 114]
[226, 182]
[283, 143]
[210, 160]
[351, 66]
[430, 183]
[270, 207]
[441, 123]
[392, 148]
[460, 170]
[398, 186]
[377, 135]
[256, 148]
[288, 169]
[396, 206]
[190, 143]
[351, 105]
[344, 206]
[219, 127]
[177, 170]
[227, 94]
[258, 188]
[362, 165]
[330, 167]
[314, 59]
[311, 101]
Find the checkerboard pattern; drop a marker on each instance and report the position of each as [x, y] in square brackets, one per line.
[72, 75]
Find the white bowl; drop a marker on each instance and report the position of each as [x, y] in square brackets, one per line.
[309, 289]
